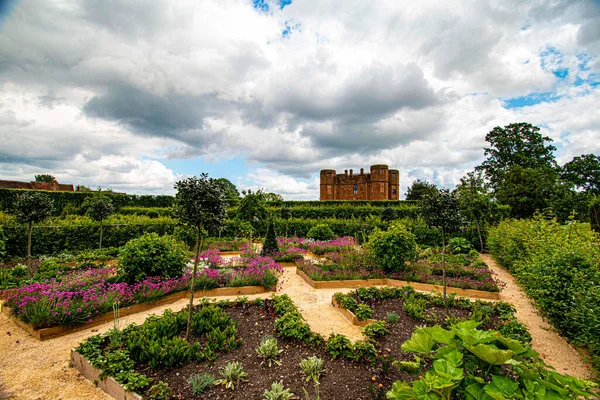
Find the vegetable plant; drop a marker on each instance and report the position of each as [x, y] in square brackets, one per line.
[278, 392]
[268, 350]
[232, 374]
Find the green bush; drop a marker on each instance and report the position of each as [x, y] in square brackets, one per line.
[595, 213]
[392, 248]
[2, 244]
[459, 245]
[152, 255]
[320, 232]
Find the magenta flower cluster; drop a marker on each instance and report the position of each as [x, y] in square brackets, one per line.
[344, 243]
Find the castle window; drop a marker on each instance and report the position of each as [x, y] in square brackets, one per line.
[355, 189]
[381, 170]
[393, 191]
[329, 174]
[394, 175]
[382, 187]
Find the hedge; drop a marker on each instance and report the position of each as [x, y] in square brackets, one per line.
[595, 214]
[147, 211]
[61, 199]
[343, 203]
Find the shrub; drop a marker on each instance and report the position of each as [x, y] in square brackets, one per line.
[268, 350]
[312, 368]
[459, 245]
[152, 255]
[201, 383]
[159, 391]
[320, 232]
[270, 245]
[363, 312]
[233, 374]
[278, 392]
[339, 346]
[392, 248]
[392, 318]
[376, 329]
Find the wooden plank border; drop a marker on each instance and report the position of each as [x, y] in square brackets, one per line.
[108, 385]
[424, 287]
[349, 315]
[57, 331]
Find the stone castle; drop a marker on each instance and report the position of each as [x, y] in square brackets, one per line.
[380, 184]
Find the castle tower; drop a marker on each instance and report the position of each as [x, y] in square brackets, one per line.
[394, 184]
[379, 182]
[327, 184]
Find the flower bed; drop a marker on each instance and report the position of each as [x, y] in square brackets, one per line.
[337, 245]
[155, 361]
[80, 297]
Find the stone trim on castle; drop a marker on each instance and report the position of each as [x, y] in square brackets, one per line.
[380, 184]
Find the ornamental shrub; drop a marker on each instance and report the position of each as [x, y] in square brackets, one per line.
[320, 232]
[152, 255]
[270, 245]
[392, 248]
[459, 245]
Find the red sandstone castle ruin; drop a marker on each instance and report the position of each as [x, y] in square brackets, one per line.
[381, 184]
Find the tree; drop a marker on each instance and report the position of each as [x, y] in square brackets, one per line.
[526, 190]
[274, 197]
[517, 144]
[98, 208]
[232, 195]
[595, 214]
[47, 178]
[30, 208]
[252, 206]
[418, 189]
[270, 245]
[476, 203]
[583, 172]
[441, 210]
[199, 203]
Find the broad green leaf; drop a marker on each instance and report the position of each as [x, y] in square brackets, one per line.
[512, 344]
[501, 388]
[447, 369]
[466, 325]
[423, 391]
[473, 336]
[400, 391]
[475, 392]
[419, 343]
[439, 334]
[533, 390]
[489, 354]
[451, 354]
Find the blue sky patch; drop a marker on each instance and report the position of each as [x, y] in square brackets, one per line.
[232, 169]
[529, 100]
[289, 29]
[263, 5]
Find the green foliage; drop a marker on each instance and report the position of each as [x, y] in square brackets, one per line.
[595, 213]
[339, 345]
[230, 192]
[465, 359]
[159, 391]
[583, 172]
[558, 267]
[201, 383]
[389, 214]
[233, 374]
[418, 189]
[526, 190]
[200, 203]
[459, 245]
[46, 178]
[320, 232]
[252, 205]
[364, 350]
[133, 381]
[291, 325]
[392, 248]
[376, 329]
[363, 312]
[2, 244]
[152, 255]
[270, 245]
[440, 209]
[98, 208]
[278, 392]
[312, 367]
[392, 318]
[268, 350]
[32, 207]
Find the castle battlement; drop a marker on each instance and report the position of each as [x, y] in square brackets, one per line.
[381, 183]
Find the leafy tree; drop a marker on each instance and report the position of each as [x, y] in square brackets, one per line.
[98, 208]
[47, 178]
[273, 197]
[476, 203]
[30, 208]
[270, 245]
[252, 206]
[199, 203]
[441, 210]
[418, 189]
[526, 190]
[595, 214]
[232, 195]
[392, 248]
[583, 172]
[567, 203]
[517, 144]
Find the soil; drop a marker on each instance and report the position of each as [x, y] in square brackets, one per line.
[553, 348]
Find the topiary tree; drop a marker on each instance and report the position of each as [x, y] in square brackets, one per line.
[98, 208]
[440, 209]
[320, 232]
[389, 214]
[152, 255]
[30, 208]
[392, 248]
[199, 203]
[270, 245]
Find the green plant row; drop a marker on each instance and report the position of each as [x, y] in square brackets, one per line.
[152, 212]
[61, 199]
[559, 267]
[342, 211]
[344, 203]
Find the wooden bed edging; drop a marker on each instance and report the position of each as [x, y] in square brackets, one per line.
[108, 384]
[424, 287]
[349, 315]
[57, 331]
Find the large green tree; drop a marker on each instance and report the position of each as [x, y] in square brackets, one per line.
[47, 178]
[418, 189]
[441, 209]
[199, 203]
[583, 172]
[527, 190]
[252, 206]
[232, 195]
[31, 208]
[516, 145]
[98, 208]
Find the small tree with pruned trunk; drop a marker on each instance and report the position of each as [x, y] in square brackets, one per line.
[199, 203]
[98, 208]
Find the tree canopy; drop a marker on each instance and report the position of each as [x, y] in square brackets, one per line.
[230, 192]
[583, 172]
[200, 202]
[418, 189]
[47, 178]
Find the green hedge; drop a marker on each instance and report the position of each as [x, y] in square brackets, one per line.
[559, 267]
[61, 199]
[147, 211]
[342, 203]
[595, 214]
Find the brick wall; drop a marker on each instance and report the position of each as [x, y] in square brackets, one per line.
[380, 184]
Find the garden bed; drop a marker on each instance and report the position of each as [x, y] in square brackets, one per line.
[425, 287]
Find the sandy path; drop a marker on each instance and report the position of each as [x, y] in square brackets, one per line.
[553, 348]
[30, 369]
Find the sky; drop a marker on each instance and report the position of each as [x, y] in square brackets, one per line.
[136, 95]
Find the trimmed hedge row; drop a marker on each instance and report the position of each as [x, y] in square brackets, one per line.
[152, 212]
[61, 199]
[345, 212]
[337, 203]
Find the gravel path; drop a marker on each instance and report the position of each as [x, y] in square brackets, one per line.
[553, 348]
